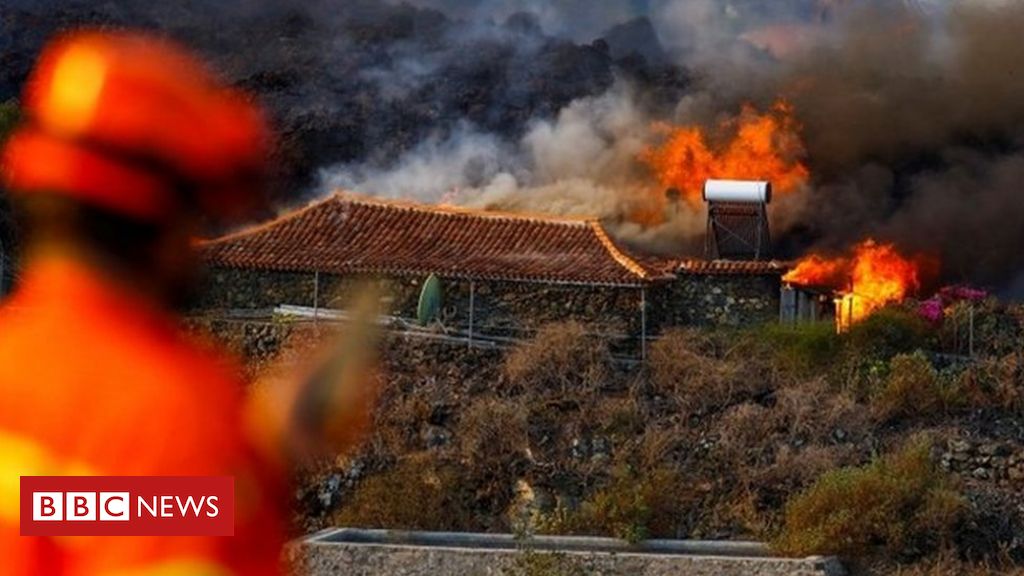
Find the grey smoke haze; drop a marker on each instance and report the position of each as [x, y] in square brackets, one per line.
[915, 128]
[912, 111]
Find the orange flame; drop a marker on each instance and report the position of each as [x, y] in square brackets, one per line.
[873, 276]
[762, 147]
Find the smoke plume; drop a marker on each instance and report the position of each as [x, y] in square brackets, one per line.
[913, 123]
[911, 113]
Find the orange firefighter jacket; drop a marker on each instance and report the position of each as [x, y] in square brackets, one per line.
[94, 380]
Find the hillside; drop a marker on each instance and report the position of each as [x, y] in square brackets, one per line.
[880, 445]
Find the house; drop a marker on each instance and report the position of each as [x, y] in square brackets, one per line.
[502, 275]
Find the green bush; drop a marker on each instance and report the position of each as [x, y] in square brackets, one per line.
[912, 389]
[803, 348]
[897, 502]
[886, 333]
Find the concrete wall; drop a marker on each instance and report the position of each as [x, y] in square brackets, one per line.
[381, 554]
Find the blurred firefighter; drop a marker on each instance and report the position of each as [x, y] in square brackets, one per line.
[127, 147]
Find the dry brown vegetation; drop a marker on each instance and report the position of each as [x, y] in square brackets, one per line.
[560, 357]
[911, 390]
[792, 435]
[898, 502]
[419, 492]
[947, 563]
[696, 373]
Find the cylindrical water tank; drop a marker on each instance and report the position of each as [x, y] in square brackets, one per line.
[745, 191]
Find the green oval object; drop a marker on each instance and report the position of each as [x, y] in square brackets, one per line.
[431, 300]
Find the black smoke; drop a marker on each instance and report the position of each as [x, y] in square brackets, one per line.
[915, 130]
[359, 81]
[912, 112]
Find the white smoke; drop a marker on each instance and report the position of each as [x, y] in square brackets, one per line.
[581, 163]
[441, 169]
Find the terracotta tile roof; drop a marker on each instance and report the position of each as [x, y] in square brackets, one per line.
[749, 267]
[662, 265]
[347, 233]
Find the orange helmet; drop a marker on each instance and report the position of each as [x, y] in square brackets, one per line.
[135, 125]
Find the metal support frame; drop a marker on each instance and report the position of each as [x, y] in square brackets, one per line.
[316, 297]
[744, 225]
[472, 302]
[643, 324]
[970, 337]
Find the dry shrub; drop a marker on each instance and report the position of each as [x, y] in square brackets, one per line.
[660, 446]
[561, 356]
[418, 493]
[491, 430]
[632, 506]
[492, 441]
[990, 383]
[685, 368]
[897, 502]
[911, 390]
[398, 421]
[533, 563]
[746, 430]
[813, 412]
[947, 562]
[792, 470]
[797, 467]
[616, 417]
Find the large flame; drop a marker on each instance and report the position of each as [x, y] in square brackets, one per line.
[874, 275]
[754, 146]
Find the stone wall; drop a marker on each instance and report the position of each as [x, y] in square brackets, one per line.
[998, 462]
[723, 300]
[516, 309]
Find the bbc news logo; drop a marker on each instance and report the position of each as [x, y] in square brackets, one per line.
[127, 506]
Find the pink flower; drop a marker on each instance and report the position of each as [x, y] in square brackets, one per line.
[952, 294]
[931, 309]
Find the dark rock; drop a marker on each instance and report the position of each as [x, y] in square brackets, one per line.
[436, 437]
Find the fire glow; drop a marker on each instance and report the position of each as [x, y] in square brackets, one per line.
[875, 275]
[763, 146]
